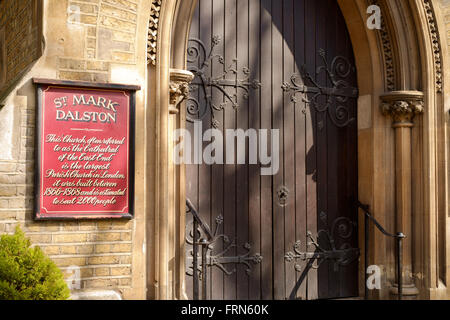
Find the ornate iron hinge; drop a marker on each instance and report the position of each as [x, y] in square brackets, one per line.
[206, 238]
[338, 94]
[200, 60]
[344, 255]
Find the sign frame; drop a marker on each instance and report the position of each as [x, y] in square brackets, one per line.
[41, 84]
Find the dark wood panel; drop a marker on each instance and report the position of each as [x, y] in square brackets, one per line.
[270, 41]
[311, 148]
[242, 171]
[217, 177]
[289, 146]
[254, 170]
[299, 291]
[230, 205]
[266, 122]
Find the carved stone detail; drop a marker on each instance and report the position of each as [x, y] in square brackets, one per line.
[179, 87]
[153, 31]
[387, 52]
[403, 106]
[436, 45]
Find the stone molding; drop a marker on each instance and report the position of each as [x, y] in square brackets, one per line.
[153, 31]
[388, 53]
[431, 19]
[403, 106]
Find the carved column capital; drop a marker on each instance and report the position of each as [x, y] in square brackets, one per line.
[179, 87]
[403, 106]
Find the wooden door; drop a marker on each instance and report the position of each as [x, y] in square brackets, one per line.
[286, 65]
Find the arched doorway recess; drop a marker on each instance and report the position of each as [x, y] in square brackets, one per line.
[403, 57]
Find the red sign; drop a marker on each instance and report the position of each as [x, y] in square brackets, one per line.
[85, 139]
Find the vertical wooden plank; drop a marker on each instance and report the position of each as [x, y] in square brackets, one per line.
[254, 170]
[204, 174]
[348, 189]
[217, 175]
[277, 124]
[300, 153]
[242, 184]
[311, 134]
[230, 169]
[192, 169]
[289, 147]
[329, 281]
[322, 26]
[266, 123]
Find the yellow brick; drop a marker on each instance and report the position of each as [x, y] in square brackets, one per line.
[18, 203]
[41, 226]
[97, 65]
[126, 236]
[102, 272]
[88, 8]
[125, 260]
[123, 56]
[104, 260]
[50, 250]
[84, 272]
[122, 271]
[104, 225]
[103, 248]
[91, 43]
[69, 238]
[8, 191]
[125, 282]
[7, 167]
[70, 226]
[101, 283]
[85, 249]
[88, 19]
[92, 31]
[122, 225]
[72, 75]
[121, 248]
[67, 262]
[118, 13]
[72, 64]
[122, 3]
[108, 236]
[40, 238]
[123, 36]
[87, 226]
[68, 250]
[117, 24]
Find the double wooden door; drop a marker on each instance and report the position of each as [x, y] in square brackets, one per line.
[285, 65]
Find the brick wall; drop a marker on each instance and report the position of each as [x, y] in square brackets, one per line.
[19, 38]
[110, 37]
[100, 250]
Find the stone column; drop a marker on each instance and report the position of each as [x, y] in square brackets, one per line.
[403, 106]
[179, 91]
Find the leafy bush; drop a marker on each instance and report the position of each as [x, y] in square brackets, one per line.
[27, 273]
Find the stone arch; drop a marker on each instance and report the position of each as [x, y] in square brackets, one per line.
[403, 57]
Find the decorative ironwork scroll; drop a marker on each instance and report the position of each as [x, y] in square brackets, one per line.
[200, 63]
[325, 245]
[336, 95]
[220, 259]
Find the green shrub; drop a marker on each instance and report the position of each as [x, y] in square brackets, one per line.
[27, 273]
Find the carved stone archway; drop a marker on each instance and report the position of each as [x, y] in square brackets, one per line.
[404, 56]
